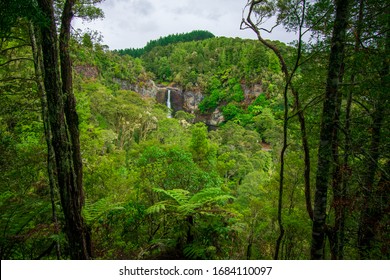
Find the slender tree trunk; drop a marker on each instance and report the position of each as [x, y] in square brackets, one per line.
[370, 214]
[51, 166]
[190, 224]
[345, 169]
[307, 161]
[72, 119]
[371, 211]
[67, 89]
[327, 128]
[336, 175]
[249, 247]
[281, 177]
[301, 117]
[70, 192]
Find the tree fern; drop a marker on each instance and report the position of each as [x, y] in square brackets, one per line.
[198, 251]
[210, 195]
[184, 204]
[192, 251]
[157, 208]
[180, 196]
[93, 211]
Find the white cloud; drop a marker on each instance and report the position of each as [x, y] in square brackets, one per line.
[132, 23]
[142, 7]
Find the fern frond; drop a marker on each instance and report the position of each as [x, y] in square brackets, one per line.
[194, 251]
[157, 208]
[210, 195]
[178, 195]
[5, 196]
[188, 208]
[93, 211]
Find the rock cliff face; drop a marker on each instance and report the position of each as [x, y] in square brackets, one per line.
[192, 100]
[181, 100]
[252, 92]
[145, 89]
[177, 98]
[185, 100]
[188, 101]
[87, 71]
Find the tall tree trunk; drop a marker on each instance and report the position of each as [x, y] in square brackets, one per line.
[51, 165]
[67, 89]
[281, 177]
[70, 192]
[301, 117]
[371, 213]
[327, 128]
[344, 169]
[72, 119]
[336, 175]
[371, 210]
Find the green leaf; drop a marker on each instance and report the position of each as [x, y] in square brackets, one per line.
[93, 211]
[179, 195]
[157, 208]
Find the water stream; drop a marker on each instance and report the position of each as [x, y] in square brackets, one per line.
[169, 104]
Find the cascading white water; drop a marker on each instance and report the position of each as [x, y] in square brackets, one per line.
[169, 104]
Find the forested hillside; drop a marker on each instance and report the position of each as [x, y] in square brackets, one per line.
[94, 165]
[196, 35]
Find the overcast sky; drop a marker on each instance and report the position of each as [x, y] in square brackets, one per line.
[132, 23]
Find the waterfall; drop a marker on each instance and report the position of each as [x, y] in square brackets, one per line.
[169, 104]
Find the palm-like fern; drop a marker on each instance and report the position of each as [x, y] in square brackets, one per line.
[92, 211]
[182, 208]
[182, 203]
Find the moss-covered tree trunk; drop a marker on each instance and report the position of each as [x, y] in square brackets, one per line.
[51, 168]
[373, 207]
[63, 137]
[341, 176]
[328, 127]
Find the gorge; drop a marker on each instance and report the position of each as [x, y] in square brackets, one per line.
[178, 99]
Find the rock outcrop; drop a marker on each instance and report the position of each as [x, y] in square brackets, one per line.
[145, 89]
[186, 100]
[181, 100]
[87, 71]
[191, 101]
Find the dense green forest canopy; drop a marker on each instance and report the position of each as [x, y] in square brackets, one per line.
[196, 35]
[159, 187]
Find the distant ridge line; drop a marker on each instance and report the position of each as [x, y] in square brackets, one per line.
[196, 35]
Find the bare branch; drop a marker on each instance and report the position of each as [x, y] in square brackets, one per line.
[270, 31]
[312, 103]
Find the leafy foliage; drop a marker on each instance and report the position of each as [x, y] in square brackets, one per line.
[163, 188]
[196, 35]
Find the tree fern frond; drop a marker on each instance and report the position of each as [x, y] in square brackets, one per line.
[93, 211]
[179, 195]
[157, 208]
[194, 251]
[5, 196]
[188, 208]
[209, 195]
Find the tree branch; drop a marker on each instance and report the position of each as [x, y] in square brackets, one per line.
[16, 59]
